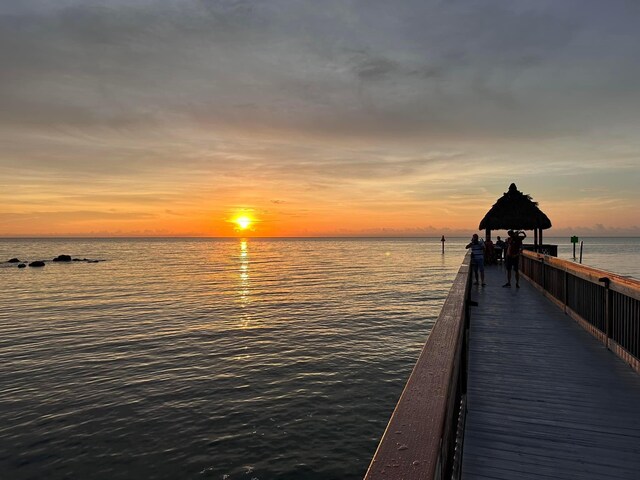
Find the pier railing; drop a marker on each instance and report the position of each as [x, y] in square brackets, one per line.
[545, 249]
[604, 303]
[423, 437]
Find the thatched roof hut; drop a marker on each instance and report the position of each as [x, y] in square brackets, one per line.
[515, 211]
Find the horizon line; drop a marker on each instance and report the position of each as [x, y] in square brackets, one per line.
[240, 237]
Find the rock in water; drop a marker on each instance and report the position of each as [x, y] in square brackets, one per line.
[37, 263]
[62, 258]
[22, 265]
[14, 260]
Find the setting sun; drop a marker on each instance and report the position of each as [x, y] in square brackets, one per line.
[243, 222]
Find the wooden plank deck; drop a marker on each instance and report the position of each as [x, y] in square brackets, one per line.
[546, 400]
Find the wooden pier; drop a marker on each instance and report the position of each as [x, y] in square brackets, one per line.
[545, 398]
[535, 382]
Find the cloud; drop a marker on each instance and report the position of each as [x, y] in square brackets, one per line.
[597, 230]
[80, 215]
[201, 104]
[369, 68]
[420, 68]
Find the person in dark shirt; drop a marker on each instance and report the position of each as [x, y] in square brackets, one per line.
[500, 246]
[489, 252]
[514, 245]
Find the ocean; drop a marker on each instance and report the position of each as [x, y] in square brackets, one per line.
[218, 358]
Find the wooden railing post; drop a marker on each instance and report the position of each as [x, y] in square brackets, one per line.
[566, 289]
[608, 307]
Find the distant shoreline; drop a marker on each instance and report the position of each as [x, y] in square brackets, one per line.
[329, 237]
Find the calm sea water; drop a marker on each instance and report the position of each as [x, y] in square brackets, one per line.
[617, 255]
[210, 358]
[222, 359]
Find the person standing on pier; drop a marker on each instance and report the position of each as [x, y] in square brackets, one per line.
[477, 257]
[514, 245]
[489, 252]
[500, 246]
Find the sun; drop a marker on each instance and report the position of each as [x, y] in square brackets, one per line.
[243, 222]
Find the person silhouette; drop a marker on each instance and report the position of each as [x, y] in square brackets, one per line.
[514, 245]
[500, 246]
[477, 257]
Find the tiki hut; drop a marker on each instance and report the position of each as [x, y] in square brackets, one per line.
[515, 211]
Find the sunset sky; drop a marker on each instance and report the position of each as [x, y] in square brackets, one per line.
[345, 117]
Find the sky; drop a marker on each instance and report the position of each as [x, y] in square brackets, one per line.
[316, 118]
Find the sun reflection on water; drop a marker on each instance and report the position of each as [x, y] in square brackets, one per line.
[243, 284]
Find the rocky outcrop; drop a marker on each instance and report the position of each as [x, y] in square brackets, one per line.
[59, 258]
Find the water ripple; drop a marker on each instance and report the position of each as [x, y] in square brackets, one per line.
[205, 359]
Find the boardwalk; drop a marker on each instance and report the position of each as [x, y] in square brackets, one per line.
[545, 399]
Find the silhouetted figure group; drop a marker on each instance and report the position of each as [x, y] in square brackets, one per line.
[486, 252]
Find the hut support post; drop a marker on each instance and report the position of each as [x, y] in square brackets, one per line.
[540, 237]
[535, 236]
[487, 236]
